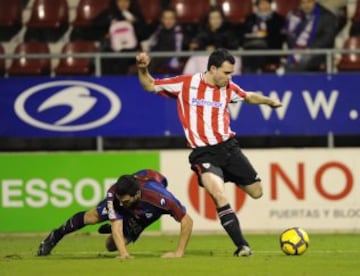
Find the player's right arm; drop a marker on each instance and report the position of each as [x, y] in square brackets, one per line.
[116, 225]
[146, 80]
[119, 239]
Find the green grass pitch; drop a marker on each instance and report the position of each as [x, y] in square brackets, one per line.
[84, 254]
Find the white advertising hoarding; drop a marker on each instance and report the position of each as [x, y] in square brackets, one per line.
[317, 189]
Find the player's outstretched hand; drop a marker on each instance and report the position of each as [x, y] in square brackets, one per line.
[275, 104]
[124, 257]
[171, 255]
[142, 60]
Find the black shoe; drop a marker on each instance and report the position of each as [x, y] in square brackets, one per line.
[47, 245]
[105, 229]
[243, 251]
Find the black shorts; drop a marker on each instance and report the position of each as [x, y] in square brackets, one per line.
[225, 160]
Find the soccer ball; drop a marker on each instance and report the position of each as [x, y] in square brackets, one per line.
[294, 241]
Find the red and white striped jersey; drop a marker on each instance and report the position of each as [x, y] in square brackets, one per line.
[202, 108]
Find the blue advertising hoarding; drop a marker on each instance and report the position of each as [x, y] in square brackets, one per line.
[118, 106]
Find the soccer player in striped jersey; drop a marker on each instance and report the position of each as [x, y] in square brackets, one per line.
[202, 105]
[132, 203]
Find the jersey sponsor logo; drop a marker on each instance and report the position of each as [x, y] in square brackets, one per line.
[66, 106]
[162, 201]
[104, 211]
[148, 215]
[202, 102]
[206, 165]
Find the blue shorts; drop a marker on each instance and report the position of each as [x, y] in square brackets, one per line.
[102, 210]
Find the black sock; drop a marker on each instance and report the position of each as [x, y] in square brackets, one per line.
[231, 224]
[74, 223]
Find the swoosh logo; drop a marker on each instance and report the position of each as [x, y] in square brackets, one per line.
[76, 95]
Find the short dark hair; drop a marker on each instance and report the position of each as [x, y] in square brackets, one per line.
[168, 10]
[216, 9]
[257, 2]
[127, 185]
[218, 57]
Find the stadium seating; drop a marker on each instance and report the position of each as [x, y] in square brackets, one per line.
[2, 61]
[10, 18]
[190, 11]
[25, 66]
[355, 21]
[350, 62]
[235, 12]
[151, 10]
[49, 20]
[284, 6]
[91, 21]
[87, 11]
[356, 16]
[76, 66]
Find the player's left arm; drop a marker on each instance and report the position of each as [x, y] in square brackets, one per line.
[185, 233]
[256, 98]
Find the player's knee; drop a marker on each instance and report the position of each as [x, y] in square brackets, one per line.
[110, 244]
[257, 192]
[257, 195]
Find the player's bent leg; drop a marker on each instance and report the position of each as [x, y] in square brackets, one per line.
[254, 190]
[105, 229]
[110, 244]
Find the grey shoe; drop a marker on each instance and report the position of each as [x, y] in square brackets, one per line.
[244, 251]
[47, 245]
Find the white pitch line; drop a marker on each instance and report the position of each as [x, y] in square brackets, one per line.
[313, 251]
[205, 252]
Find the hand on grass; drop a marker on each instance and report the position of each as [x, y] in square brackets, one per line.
[172, 255]
[124, 257]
